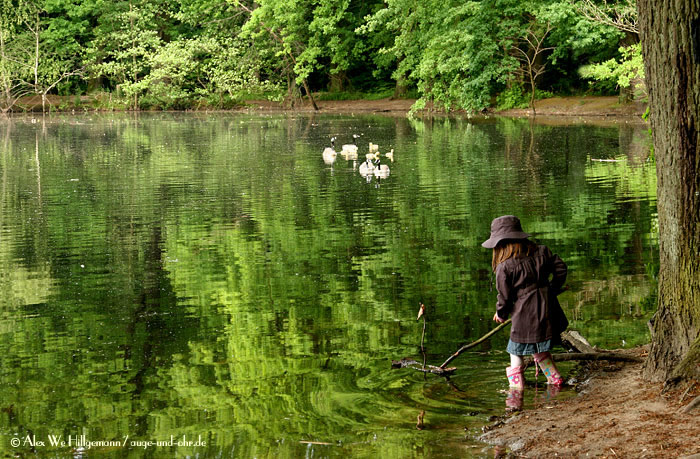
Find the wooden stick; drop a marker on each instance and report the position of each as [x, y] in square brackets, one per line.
[695, 403]
[421, 313]
[475, 343]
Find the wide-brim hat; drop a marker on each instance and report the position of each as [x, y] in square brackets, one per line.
[505, 227]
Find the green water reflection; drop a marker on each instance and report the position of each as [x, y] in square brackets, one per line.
[209, 276]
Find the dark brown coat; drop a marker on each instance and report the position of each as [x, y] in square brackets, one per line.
[527, 288]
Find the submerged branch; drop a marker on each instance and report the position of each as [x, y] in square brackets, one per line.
[589, 356]
[410, 363]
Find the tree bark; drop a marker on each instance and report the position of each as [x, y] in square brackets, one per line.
[400, 89]
[670, 35]
[311, 96]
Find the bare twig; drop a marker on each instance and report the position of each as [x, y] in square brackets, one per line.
[533, 41]
[475, 343]
[622, 16]
[421, 313]
[410, 363]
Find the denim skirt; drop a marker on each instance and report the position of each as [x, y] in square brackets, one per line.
[528, 348]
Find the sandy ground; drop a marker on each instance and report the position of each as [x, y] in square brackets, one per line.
[616, 414]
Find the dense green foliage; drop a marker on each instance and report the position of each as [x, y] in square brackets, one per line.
[214, 53]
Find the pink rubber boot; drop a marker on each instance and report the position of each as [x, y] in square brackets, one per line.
[515, 377]
[545, 362]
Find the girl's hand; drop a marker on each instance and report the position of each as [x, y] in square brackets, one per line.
[497, 319]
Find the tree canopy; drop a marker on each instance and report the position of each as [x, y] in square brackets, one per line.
[214, 53]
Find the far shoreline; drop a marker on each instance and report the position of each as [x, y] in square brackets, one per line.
[554, 110]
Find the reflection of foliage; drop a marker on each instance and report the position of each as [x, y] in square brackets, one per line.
[606, 309]
[233, 286]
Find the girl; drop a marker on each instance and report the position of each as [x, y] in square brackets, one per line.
[525, 291]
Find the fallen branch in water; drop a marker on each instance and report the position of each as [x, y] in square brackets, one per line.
[573, 340]
[612, 356]
[410, 363]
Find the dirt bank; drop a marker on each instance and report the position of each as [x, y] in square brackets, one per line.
[384, 106]
[616, 414]
[555, 109]
[582, 106]
[585, 106]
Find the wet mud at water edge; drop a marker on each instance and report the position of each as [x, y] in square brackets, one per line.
[616, 414]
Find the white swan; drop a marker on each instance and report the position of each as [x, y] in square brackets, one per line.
[381, 170]
[329, 153]
[366, 168]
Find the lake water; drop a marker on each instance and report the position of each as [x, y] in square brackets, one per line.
[209, 280]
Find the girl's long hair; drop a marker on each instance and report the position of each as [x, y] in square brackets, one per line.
[510, 248]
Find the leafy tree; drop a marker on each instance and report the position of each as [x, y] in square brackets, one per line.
[574, 39]
[204, 68]
[12, 54]
[286, 24]
[333, 31]
[628, 72]
[126, 36]
[186, 53]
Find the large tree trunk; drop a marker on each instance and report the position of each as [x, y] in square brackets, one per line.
[670, 33]
[401, 88]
